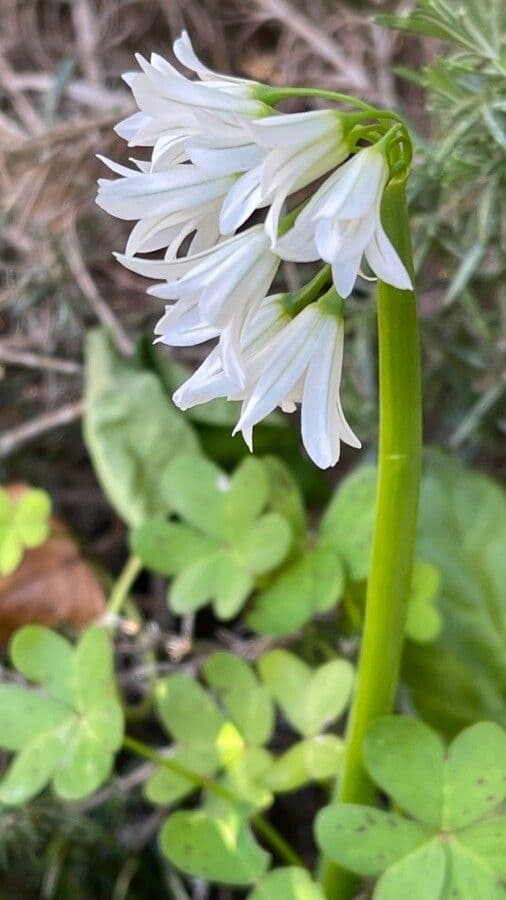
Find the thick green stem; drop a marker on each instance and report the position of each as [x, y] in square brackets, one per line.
[395, 525]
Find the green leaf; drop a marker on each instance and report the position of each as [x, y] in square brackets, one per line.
[187, 711]
[132, 431]
[459, 678]
[45, 656]
[348, 522]
[11, 549]
[309, 699]
[167, 547]
[245, 778]
[215, 850]
[217, 578]
[285, 496]
[419, 875]
[25, 715]
[31, 514]
[423, 622]
[469, 876]
[405, 758]
[313, 759]
[287, 884]
[365, 840]
[164, 787]
[487, 841]
[265, 545]
[311, 583]
[245, 699]
[70, 731]
[475, 775]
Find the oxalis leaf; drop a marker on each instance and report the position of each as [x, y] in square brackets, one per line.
[24, 523]
[224, 542]
[310, 699]
[287, 884]
[450, 847]
[69, 731]
[132, 431]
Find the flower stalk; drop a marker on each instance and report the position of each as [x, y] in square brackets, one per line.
[395, 526]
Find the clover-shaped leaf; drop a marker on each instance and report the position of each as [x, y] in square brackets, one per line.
[24, 523]
[348, 523]
[313, 759]
[215, 849]
[291, 883]
[449, 848]
[223, 542]
[247, 701]
[310, 699]
[313, 582]
[423, 621]
[69, 731]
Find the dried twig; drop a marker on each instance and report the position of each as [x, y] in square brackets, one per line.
[38, 361]
[326, 47]
[14, 438]
[104, 313]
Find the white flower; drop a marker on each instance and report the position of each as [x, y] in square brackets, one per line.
[170, 205]
[226, 283]
[209, 381]
[302, 363]
[341, 224]
[301, 147]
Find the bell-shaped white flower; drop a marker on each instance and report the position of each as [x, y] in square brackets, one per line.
[226, 282]
[300, 147]
[302, 363]
[341, 224]
[169, 205]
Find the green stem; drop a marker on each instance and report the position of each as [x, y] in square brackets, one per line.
[282, 848]
[122, 585]
[395, 526]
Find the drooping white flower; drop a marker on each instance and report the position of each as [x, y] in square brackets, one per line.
[300, 147]
[341, 224]
[225, 282]
[302, 363]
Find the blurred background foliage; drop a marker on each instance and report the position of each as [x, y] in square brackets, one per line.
[442, 64]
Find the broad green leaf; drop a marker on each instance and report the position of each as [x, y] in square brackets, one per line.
[132, 431]
[265, 545]
[311, 583]
[423, 621]
[348, 522]
[165, 787]
[310, 699]
[169, 547]
[487, 840]
[469, 876]
[68, 732]
[245, 778]
[287, 884]
[230, 745]
[187, 711]
[33, 767]
[25, 715]
[249, 490]
[285, 496]
[196, 488]
[46, 657]
[405, 758]
[313, 759]
[245, 699]
[475, 775]
[216, 578]
[31, 515]
[460, 678]
[83, 766]
[11, 549]
[365, 840]
[419, 875]
[214, 850]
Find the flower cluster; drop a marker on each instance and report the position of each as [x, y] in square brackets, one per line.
[220, 150]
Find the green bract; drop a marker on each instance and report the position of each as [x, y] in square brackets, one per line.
[451, 844]
[24, 523]
[224, 540]
[68, 731]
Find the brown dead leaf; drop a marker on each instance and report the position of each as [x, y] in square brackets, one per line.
[52, 586]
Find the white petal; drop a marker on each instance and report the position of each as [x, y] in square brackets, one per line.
[291, 129]
[355, 187]
[384, 261]
[225, 160]
[182, 326]
[243, 198]
[319, 435]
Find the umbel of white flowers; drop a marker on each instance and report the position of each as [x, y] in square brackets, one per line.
[220, 150]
